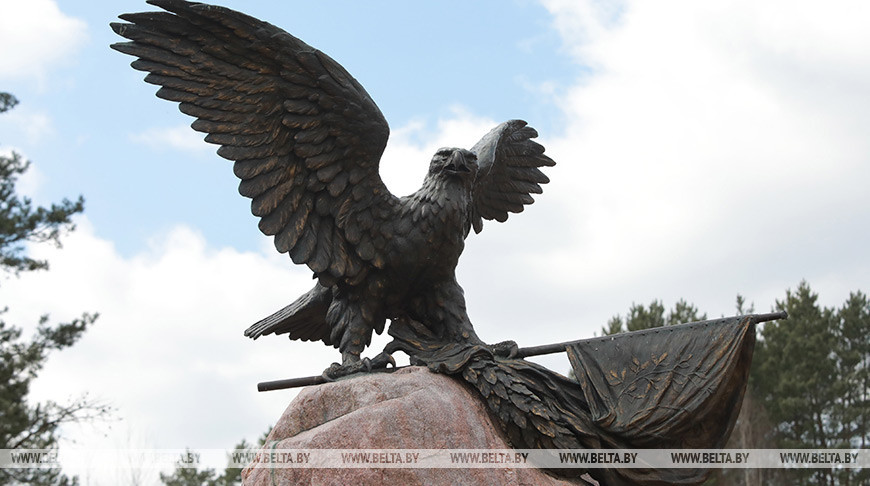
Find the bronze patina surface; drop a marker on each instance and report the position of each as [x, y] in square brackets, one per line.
[307, 140]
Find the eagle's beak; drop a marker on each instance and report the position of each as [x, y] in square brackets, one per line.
[457, 164]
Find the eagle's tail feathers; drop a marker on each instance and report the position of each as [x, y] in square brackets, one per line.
[304, 319]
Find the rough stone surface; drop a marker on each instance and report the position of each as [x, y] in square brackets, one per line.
[411, 408]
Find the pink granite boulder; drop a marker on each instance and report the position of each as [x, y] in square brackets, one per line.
[411, 408]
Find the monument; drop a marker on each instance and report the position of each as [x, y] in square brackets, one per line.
[306, 141]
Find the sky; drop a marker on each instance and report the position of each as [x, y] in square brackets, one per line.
[703, 151]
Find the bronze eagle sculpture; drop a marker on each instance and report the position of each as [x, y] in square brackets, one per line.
[306, 140]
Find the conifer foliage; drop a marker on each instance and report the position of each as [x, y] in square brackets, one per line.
[25, 425]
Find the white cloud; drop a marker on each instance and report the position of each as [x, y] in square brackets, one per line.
[180, 137]
[42, 36]
[34, 126]
[711, 147]
[168, 349]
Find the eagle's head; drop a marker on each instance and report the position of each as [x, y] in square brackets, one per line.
[454, 164]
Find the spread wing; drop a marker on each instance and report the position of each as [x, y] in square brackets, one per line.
[305, 136]
[508, 173]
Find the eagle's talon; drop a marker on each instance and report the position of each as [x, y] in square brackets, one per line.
[504, 349]
[382, 360]
[331, 373]
[336, 371]
[365, 365]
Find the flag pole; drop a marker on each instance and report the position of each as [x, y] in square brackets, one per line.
[521, 352]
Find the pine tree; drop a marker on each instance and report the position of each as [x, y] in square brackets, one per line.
[24, 425]
[853, 363]
[684, 312]
[20, 222]
[640, 317]
[797, 377]
[851, 414]
[753, 430]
